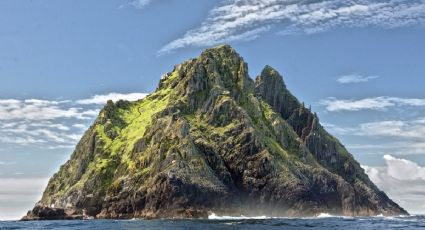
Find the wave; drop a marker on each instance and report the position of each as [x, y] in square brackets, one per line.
[129, 220]
[325, 215]
[393, 217]
[213, 216]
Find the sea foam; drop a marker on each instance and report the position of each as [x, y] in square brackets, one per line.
[325, 215]
[213, 216]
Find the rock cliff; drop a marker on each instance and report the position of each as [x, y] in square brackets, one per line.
[210, 139]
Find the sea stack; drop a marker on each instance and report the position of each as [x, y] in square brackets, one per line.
[210, 139]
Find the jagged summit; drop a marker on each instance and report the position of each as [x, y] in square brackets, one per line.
[225, 49]
[210, 139]
[270, 72]
[270, 87]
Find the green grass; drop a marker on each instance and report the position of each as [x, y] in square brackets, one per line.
[137, 118]
[203, 126]
[129, 124]
[267, 110]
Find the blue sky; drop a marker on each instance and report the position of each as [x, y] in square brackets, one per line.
[359, 63]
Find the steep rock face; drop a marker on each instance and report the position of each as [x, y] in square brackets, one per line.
[210, 139]
[270, 87]
[325, 148]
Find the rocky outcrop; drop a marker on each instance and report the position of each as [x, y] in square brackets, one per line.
[210, 139]
[270, 87]
[48, 213]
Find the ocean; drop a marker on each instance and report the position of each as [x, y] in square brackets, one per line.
[215, 222]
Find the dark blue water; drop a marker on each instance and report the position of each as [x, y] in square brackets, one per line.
[405, 223]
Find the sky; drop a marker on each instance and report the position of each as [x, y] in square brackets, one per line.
[360, 64]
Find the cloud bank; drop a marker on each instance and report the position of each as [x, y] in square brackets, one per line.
[51, 124]
[402, 180]
[38, 110]
[235, 20]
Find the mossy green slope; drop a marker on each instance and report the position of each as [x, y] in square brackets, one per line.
[211, 139]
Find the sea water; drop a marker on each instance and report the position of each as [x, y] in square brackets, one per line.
[323, 221]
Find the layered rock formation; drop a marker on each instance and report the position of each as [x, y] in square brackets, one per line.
[210, 139]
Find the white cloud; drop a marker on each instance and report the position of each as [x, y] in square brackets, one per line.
[354, 78]
[402, 169]
[247, 19]
[378, 103]
[40, 133]
[401, 137]
[404, 129]
[79, 126]
[40, 123]
[21, 140]
[102, 99]
[140, 4]
[407, 147]
[50, 124]
[394, 128]
[26, 134]
[61, 147]
[402, 180]
[339, 130]
[38, 110]
[372, 103]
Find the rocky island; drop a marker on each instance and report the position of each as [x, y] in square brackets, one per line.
[210, 139]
